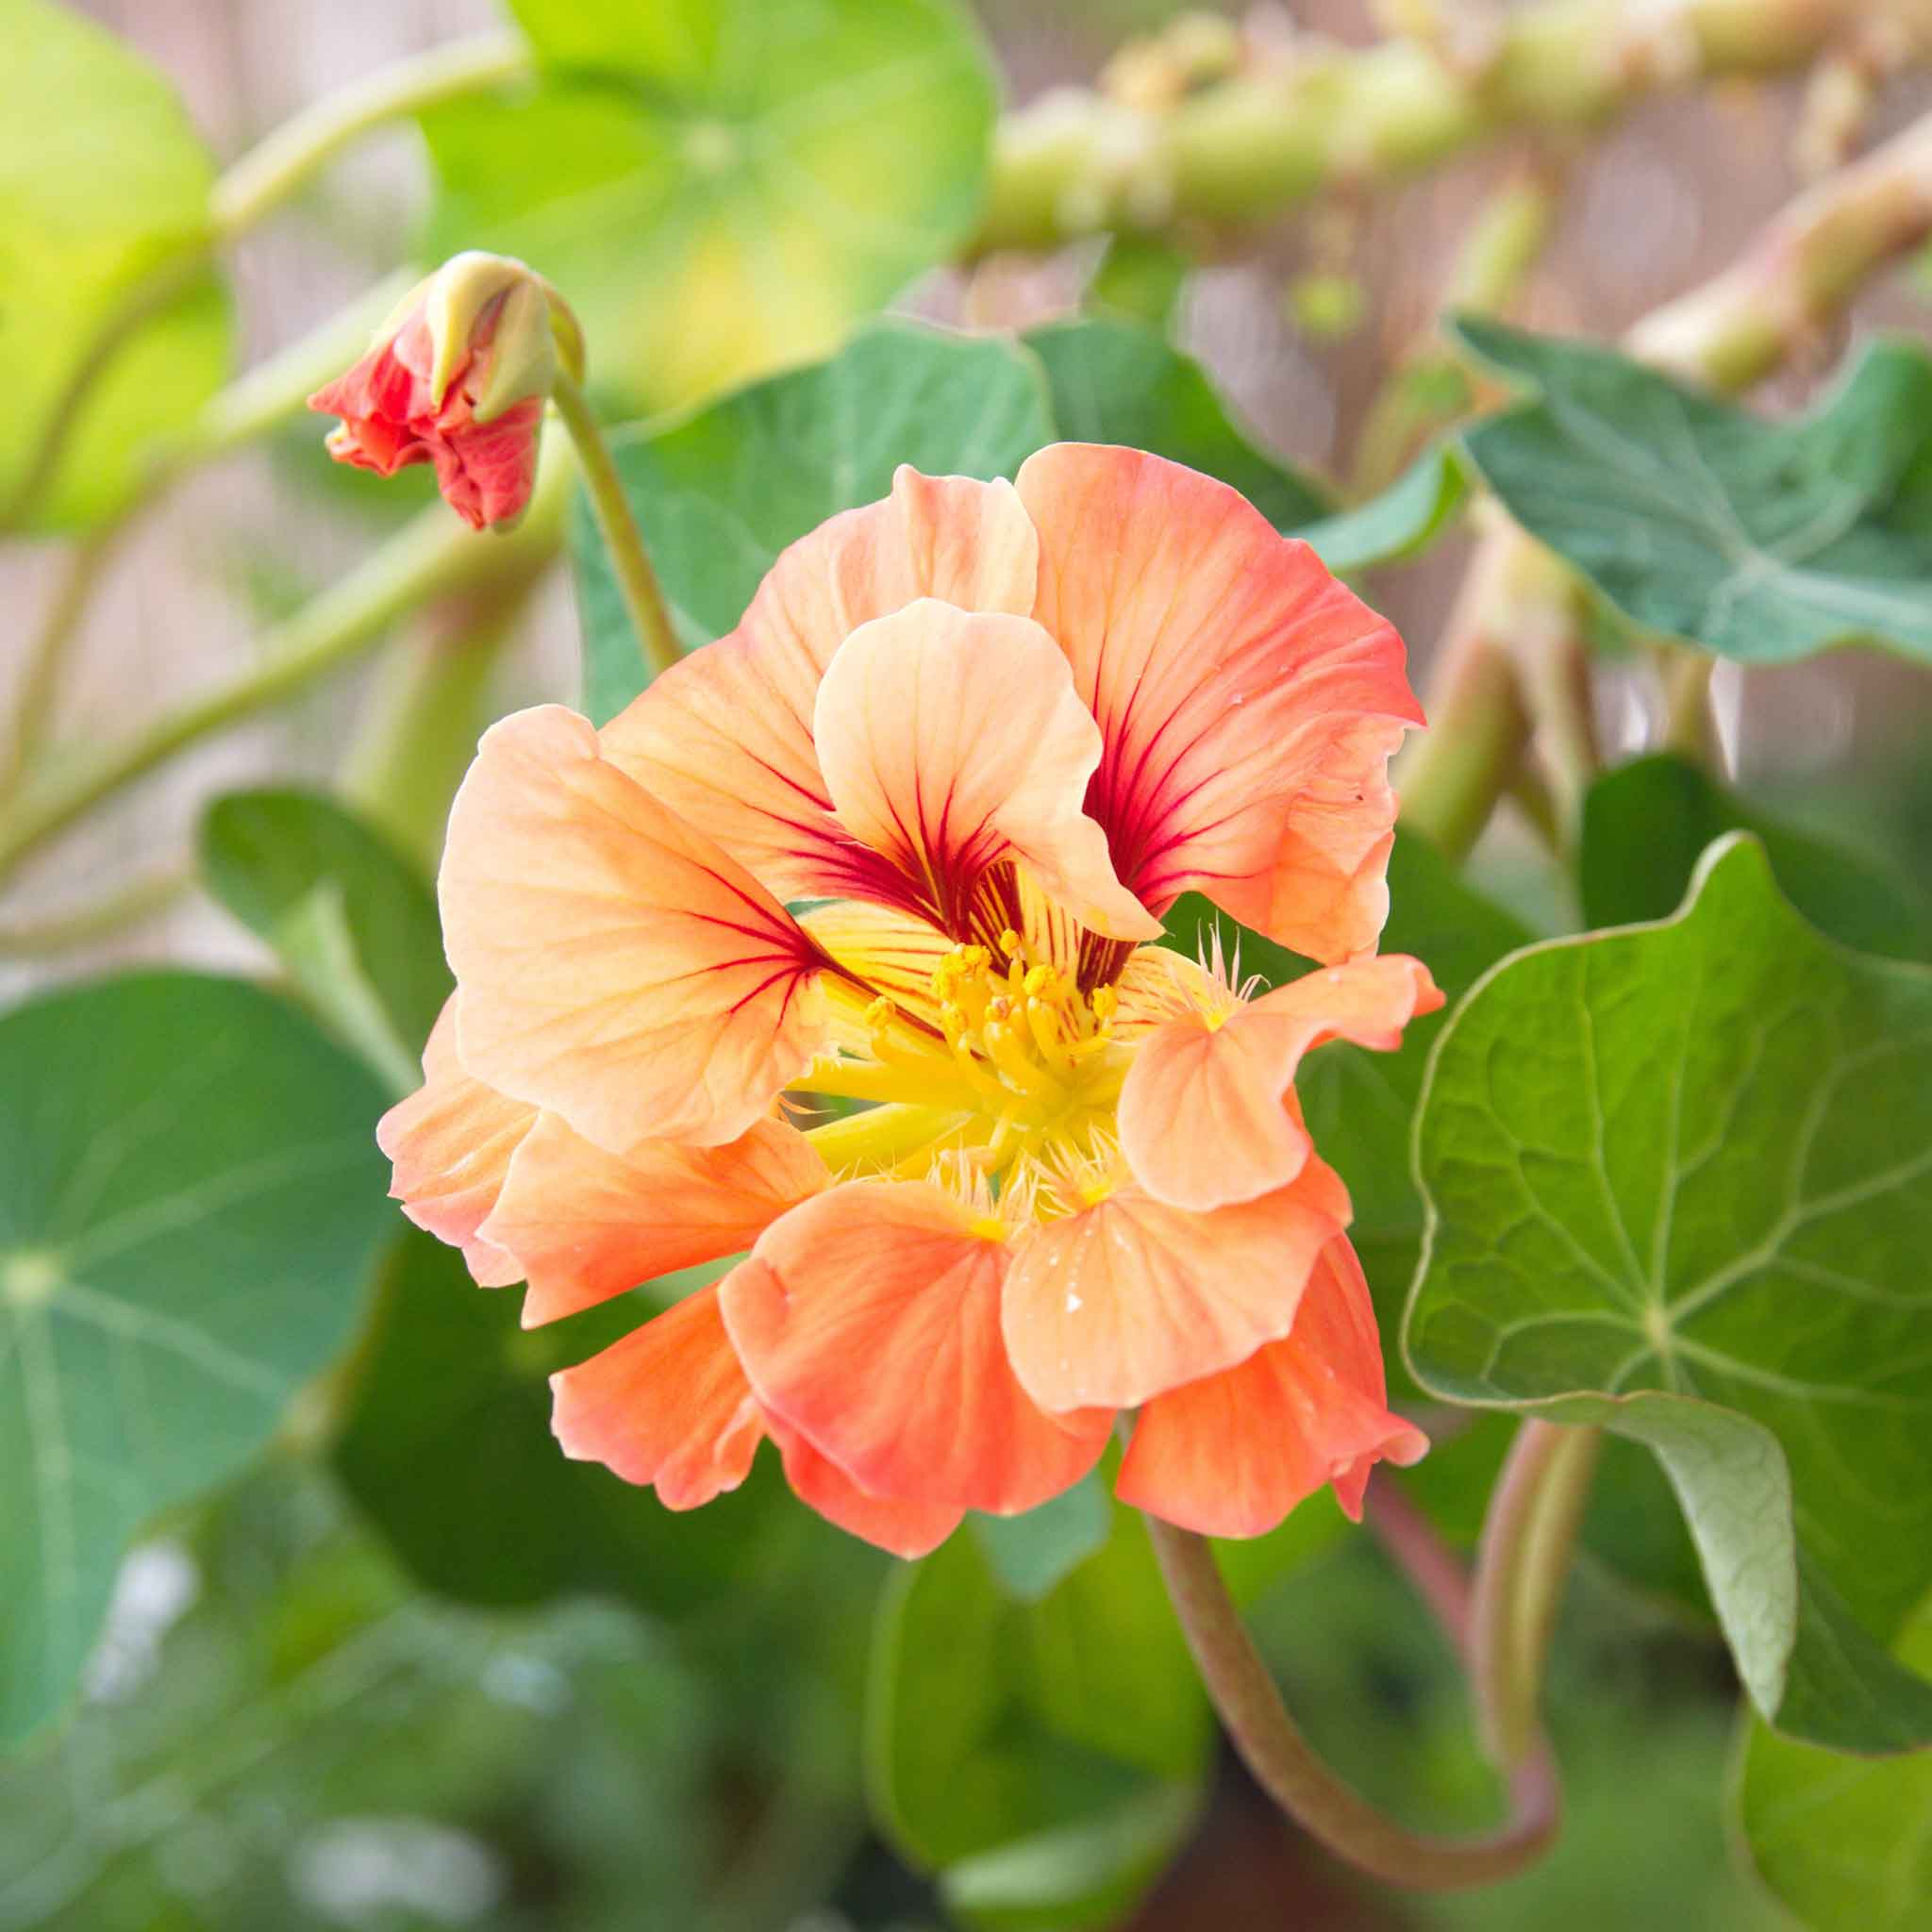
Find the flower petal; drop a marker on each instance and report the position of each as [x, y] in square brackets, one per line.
[451, 1143]
[724, 738]
[868, 1319]
[1233, 1454]
[1130, 1297]
[904, 1528]
[667, 1407]
[952, 741]
[1249, 701]
[585, 1224]
[1202, 1115]
[616, 967]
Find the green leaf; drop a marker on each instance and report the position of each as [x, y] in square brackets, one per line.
[103, 182]
[1118, 382]
[1646, 826]
[994, 1725]
[1402, 522]
[1847, 1847]
[445, 1443]
[1032, 1552]
[721, 492]
[722, 187]
[190, 1195]
[353, 920]
[1763, 541]
[1679, 1181]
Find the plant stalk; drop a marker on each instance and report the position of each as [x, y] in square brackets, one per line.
[1288, 1769]
[643, 596]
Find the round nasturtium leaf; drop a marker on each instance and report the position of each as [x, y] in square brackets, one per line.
[191, 1198]
[103, 183]
[720, 187]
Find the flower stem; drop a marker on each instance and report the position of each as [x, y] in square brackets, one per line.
[1286, 1766]
[39, 687]
[432, 555]
[644, 597]
[1529, 1535]
[288, 158]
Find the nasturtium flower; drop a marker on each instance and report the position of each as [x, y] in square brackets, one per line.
[458, 376]
[899, 846]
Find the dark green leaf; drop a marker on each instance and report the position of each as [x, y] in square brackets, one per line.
[1403, 520]
[1031, 1552]
[1763, 541]
[354, 922]
[190, 1196]
[722, 492]
[1118, 382]
[1696, 1158]
[103, 183]
[1646, 826]
[996, 1724]
[1848, 1847]
[445, 1443]
[720, 187]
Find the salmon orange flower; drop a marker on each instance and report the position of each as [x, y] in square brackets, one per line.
[835, 950]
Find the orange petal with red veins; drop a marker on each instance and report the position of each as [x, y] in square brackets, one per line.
[615, 966]
[1233, 1454]
[868, 1319]
[900, 1529]
[950, 740]
[1202, 1115]
[724, 738]
[1131, 1297]
[451, 1143]
[668, 1407]
[585, 1224]
[1248, 700]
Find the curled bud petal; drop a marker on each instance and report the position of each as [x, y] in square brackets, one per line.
[458, 376]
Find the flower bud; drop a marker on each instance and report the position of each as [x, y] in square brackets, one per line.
[458, 376]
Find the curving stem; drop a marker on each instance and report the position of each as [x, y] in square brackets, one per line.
[1287, 1768]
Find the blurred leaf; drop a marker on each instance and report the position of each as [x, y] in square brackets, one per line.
[1141, 277]
[103, 181]
[280, 1733]
[1846, 1845]
[996, 1724]
[1403, 520]
[1116, 381]
[722, 187]
[721, 492]
[1646, 826]
[1763, 541]
[1692, 1160]
[190, 1195]
[354, 922]
[1032, 1552]
[445, 1443]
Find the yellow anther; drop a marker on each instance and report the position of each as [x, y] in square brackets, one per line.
[1106, 1003]
[999, 1008]
[1039, 981]
[879, 1012]
[1009, 943]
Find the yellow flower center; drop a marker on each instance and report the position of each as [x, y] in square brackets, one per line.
[1010, 1065]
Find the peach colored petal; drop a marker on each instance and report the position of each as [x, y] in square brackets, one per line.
[953, 741]
[1248, 700]
[667, 1407]
[451, 1143]
[1232, 1454]
[585, 1224]
[868, 1319]
[1201, 1117]
[894, 952]
[724, 738]
[1130, 1297]
[903, 1529]
[615, 966]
